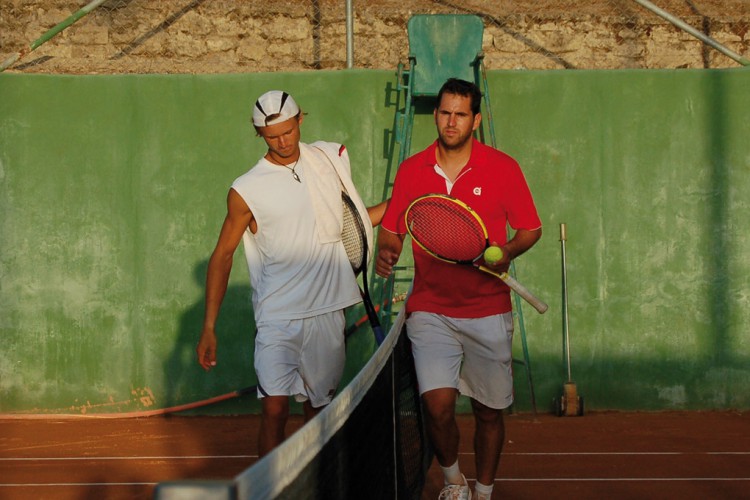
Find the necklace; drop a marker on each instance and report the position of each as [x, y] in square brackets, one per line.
[291, 169]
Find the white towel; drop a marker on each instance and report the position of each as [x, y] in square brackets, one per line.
[324, 187]
[336, 156]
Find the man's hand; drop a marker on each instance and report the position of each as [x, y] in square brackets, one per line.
[503, 263]
[206, 350]
[385, 261]
[389, 250]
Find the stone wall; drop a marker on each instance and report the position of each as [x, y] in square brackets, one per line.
[230, 36]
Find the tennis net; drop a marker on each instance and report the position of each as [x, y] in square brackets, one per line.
[369, 443]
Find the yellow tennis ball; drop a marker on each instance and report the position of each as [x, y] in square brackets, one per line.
[492, 255]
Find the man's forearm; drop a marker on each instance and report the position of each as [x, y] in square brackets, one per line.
[522, 241]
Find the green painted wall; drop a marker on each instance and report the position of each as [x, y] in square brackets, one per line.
[112, 192]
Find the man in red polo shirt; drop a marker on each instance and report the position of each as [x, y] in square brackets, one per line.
[459, 320]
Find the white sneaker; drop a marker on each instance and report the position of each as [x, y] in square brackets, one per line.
[456, 492]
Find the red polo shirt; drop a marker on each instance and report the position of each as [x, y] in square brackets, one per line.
[492, 184]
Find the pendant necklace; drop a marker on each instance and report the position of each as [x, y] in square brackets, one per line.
[291, 169]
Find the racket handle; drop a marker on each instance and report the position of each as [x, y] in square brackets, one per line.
[521, 290]
[379, 335]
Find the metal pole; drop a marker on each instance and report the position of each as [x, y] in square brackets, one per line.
[697, 34]
[349, 34]
[49, 34]
[566, 335]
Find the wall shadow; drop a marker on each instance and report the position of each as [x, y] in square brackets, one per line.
[185, 380]
[718, 347]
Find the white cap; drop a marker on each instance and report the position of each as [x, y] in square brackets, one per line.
[271, 103]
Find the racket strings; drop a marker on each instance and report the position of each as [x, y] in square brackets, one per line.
[353, 235]
[446, 229]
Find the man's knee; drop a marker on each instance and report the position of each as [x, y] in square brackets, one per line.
[275, 408]
[485, 414]
[440, 405]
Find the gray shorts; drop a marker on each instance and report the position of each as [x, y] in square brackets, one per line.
[473, 355]
[303, 358]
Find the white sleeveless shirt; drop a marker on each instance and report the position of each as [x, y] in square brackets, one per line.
[293, 274]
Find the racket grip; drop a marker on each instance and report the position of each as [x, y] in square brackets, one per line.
[379, 336]
[521, 290]
[524, 292]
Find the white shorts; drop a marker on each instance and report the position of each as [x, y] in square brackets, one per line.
[473, 355]
[303, 358]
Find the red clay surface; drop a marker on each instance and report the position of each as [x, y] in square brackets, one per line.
[685, 455]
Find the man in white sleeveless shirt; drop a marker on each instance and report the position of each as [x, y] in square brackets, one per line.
[287, 212]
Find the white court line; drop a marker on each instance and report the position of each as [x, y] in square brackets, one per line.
[615, 479]
[65, 459]
[91, 459]
[644, 453]
[500, 480]
[229, 457]
[36, 485]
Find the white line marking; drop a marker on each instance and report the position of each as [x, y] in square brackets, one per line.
[229, 457]
[501, 480]
[616, 479]
[645, 453]
[92, 459]
[35, 485]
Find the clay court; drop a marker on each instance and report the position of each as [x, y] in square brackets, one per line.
[600, 455]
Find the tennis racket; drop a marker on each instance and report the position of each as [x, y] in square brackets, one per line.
[355, 242]
[449, 230]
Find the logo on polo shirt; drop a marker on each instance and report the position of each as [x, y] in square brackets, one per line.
[478, 191]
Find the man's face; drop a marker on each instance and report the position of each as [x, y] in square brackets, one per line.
[455, 121]
[282, 139]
